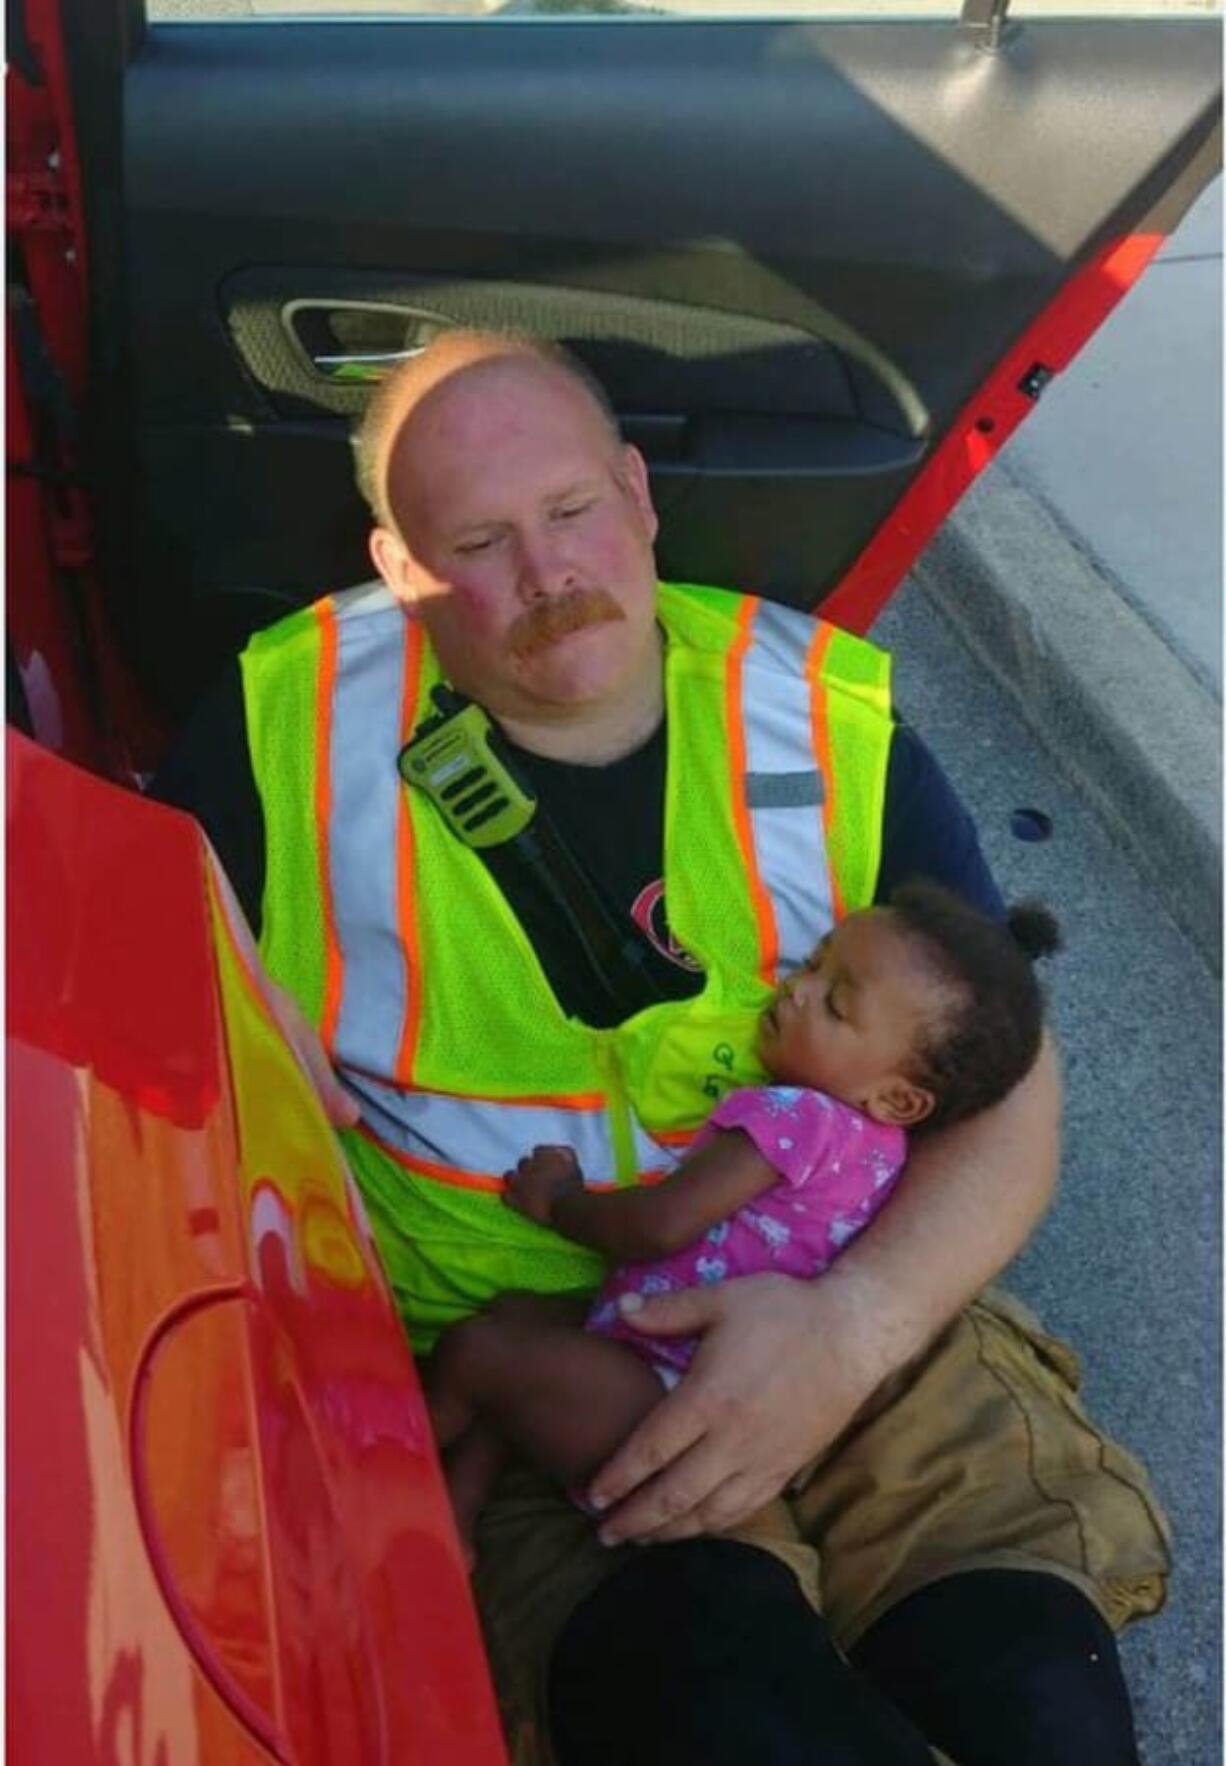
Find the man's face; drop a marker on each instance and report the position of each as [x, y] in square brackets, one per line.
[525, 540]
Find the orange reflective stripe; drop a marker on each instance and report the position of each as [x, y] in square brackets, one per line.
[763, 910]
[460, 1132]
[815, 661]
[579, 1100]
[464, 1180]
[673, 1137]
[406, 911]
[325, 614]
[472, 1180]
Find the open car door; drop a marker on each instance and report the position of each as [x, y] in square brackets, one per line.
[824, 268]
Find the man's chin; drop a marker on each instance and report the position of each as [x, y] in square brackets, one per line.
[571, 670]
[545, 648]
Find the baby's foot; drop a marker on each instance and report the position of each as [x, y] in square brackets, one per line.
[466, 1506]
[471, 1469]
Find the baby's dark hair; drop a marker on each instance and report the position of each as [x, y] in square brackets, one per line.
[990, 1038]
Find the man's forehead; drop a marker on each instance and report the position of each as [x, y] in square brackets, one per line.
[506, 403]
[514, 390]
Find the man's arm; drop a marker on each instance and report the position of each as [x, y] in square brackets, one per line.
[642, 1223]
[927, 830]
[969, 1200]
[784, 1365]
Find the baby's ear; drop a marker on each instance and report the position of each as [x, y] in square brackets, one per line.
[901, 1102]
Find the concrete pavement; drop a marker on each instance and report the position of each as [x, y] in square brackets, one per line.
[1084, 574]
[1126, 447]
[1126, 1265]
[1085, 571]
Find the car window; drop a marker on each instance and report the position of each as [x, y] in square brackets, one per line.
[214, 11]
[164, 11]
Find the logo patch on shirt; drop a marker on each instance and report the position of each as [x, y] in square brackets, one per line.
[649, 916]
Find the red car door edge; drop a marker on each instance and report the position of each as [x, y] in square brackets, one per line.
[984, 425]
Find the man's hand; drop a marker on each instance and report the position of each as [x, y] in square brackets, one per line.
[340, 1109]
[783, 1367]
[540, 1178]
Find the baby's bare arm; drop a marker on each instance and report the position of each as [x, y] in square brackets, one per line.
[650, 1220]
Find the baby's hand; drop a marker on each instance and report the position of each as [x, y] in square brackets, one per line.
[539, 1179]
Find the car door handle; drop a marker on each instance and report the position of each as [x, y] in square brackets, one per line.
[361, 369]
[357, 343]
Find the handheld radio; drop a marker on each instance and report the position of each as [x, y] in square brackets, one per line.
[454, 759]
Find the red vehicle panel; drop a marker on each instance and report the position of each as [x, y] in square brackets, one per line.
[228, 1536]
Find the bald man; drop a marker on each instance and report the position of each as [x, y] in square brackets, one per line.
[513, 538]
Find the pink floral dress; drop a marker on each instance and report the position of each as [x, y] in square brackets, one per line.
[836, 1168]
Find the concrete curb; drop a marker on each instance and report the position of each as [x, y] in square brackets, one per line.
[1136, 732]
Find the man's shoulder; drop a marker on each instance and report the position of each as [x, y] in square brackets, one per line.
[927, 830]
[369, 606]
[701, 616]
[778, 637]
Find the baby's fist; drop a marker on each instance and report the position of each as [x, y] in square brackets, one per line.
[539, 1179]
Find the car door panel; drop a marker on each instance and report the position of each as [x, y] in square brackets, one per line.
[792, 251]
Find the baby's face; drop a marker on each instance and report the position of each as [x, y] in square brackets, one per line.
[848, 1022]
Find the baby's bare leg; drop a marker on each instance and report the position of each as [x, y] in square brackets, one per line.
[564, 1398]
[471, 1469]
[459, 1357]
[465, 1357]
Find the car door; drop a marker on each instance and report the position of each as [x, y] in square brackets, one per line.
[824, 265]
[228, 1537]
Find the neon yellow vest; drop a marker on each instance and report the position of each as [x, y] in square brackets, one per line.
[402, 949]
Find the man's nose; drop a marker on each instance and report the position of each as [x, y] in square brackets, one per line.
[544, 569]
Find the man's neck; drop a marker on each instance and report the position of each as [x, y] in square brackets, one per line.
[597, 735]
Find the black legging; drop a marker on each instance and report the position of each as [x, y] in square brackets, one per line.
[706, 1654]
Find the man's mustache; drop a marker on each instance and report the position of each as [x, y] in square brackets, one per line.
[545, 622]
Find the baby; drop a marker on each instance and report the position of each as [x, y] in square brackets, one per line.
[906, 1018]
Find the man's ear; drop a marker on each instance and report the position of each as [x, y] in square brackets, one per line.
[900, 1101]
[390, 557]
[638, 484]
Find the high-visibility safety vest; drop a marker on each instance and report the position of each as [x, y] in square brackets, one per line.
[402, 949]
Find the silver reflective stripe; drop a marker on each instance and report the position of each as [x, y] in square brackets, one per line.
[784, 790]
[366, 716]
[650, 1155]
[782, 637]
[482, 1138]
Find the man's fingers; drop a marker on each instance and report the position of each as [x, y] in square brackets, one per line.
[670, 1505]
[664, 1434]
[726, 1507]
[338, 1106]
[683, 1314]
[341, 1110]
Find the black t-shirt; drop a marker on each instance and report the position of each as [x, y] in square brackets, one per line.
[611, 817]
